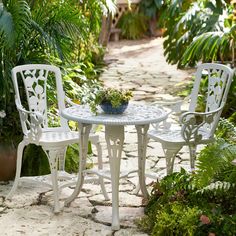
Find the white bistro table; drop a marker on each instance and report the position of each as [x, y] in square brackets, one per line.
[139, 115]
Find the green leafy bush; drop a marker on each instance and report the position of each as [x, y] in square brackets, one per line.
[150, 7]
[187, 22]
[133, 25]
[62, 33]
[198, 203]
[177, 219]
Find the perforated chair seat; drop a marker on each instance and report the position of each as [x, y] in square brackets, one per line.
[175, 136]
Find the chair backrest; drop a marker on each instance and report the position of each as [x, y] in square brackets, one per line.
[219, 80]
[35, 78]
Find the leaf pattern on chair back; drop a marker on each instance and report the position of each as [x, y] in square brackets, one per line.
[217, 79]
[38, 80]
[35, 87]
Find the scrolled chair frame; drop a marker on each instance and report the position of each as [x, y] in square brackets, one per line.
[34, 122]
[196, 127]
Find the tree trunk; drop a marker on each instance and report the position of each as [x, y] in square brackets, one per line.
[105, 30]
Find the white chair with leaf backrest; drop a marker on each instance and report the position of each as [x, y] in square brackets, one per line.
[34, 121]
[196, 127]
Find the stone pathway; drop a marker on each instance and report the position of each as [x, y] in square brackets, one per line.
[137, 65]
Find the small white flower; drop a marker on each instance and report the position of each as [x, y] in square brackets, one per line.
[2, 114]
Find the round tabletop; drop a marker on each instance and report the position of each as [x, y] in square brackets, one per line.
[134, 115]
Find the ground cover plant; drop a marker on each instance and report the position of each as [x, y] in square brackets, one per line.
[200, 203]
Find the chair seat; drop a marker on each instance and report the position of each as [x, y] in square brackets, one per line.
[174, 136]
[59, 137]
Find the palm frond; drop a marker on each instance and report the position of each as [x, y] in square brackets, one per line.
[108, 6]
[207, 47]
[14, 21]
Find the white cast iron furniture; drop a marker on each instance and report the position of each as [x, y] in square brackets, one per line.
[196, 127]
[140, 116]
[34, 121]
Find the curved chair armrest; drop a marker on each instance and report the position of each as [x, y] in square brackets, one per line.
[31, 121]
[174, 106]
[163, 124]
[195, 124]
[94, 127]
[68, 100]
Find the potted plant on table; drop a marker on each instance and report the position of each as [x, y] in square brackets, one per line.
[111, 100]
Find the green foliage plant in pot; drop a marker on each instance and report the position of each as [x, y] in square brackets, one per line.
[111, 100]
[9, 137]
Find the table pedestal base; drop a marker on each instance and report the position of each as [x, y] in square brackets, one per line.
[115, 139]
[114, 136]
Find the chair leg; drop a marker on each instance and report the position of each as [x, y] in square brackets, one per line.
[192, 151]
[100, 167]
[20, 149]
[137, 189]
[170, 153]
[62, 159]
[53, 155]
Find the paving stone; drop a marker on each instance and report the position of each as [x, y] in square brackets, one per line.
[38, 220]
[147, 89]
[127, 215]
[129, 86]
[130, 147]
[129, 232]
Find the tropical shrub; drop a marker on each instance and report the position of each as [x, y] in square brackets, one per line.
[187, 21]
[133, 25]
[150, 7]
[201, 31]
[63, 33]
[177, 219]
[200, 203]
[217, 44]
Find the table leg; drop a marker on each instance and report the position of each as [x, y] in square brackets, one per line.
[115, 139]
[142, 149]
[84, 130]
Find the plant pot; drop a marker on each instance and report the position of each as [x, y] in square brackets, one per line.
[109, 109]
[8, 156]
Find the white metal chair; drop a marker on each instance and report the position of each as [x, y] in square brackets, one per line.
[196, 127]
[53, 140]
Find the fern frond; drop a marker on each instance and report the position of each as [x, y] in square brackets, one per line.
[215, 187]
[226, 130]
[214, 163]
